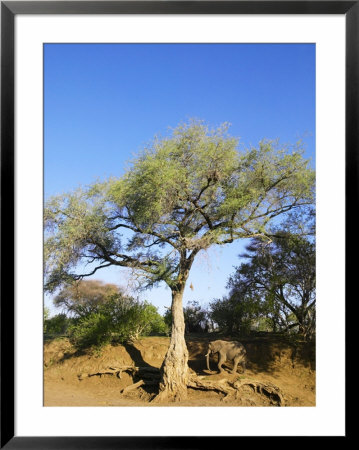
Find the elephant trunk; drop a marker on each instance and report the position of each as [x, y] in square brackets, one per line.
[207, 359]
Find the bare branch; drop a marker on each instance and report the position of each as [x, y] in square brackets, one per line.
[79, 277]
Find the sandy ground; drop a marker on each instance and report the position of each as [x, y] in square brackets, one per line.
[289, 367]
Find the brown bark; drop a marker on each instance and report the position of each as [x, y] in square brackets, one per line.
[132, 387]
[233, 390]
[143, 372]
[174, 370]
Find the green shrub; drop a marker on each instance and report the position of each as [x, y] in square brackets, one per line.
[93, 330]
[157, 324]
[119, 319]
[137, 319]
[57, 324]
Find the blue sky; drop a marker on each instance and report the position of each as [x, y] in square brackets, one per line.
[104, 102]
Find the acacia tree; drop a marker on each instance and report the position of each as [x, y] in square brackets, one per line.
[183, 194]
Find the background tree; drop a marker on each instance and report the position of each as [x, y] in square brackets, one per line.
[280, 276]
[183, 194]
[57, 325]
[237, 314]
[46, 313]
[85, 297]
[195, 318]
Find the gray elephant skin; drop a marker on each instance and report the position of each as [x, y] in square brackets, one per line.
[228, 350]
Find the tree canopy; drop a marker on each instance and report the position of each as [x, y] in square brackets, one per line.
[85, 297]
[182, 194]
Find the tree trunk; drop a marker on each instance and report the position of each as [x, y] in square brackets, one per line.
[174, 370]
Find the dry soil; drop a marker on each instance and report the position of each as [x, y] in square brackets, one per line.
[289, 366]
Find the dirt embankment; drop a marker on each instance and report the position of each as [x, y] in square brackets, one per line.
[290, 367]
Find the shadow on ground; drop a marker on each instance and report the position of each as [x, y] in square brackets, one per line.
[135, 354]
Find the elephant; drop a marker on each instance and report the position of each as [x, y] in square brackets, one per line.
[228, 350]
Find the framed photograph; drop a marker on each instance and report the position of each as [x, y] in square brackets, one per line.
[175, 182]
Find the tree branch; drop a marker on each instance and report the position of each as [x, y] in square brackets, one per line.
[79, 277]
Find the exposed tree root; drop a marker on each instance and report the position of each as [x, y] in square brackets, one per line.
[271, 391]
[160, 398]
[143, 372]
[233, 390]
[132, 387]
[170, 396]
[218, 386]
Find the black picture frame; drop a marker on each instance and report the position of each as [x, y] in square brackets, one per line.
[9, 9]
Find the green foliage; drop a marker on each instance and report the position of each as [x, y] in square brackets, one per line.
[46, 313]
[174, 170]
[274, 290]
[167, 317]
[156, 324]
[236, 315]
[92, 331]
[264, 324]
[183, 194]
[101, 314]
[56, 325]
[118, 319]
[195, 317]
[131, 319]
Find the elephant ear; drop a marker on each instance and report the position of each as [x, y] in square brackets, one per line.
[214, 346]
